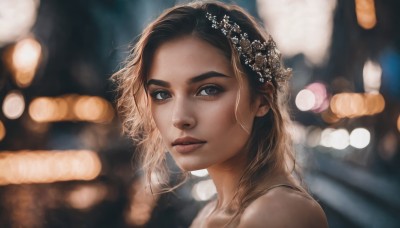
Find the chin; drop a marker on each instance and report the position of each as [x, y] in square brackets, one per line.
[191, 166]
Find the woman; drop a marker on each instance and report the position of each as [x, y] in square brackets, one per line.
[206, 84]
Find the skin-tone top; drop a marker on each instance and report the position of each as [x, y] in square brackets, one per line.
[280, 205]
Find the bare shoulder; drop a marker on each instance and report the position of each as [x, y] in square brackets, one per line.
[201, 216]
[283, 207]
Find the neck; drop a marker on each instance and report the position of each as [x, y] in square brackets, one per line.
[226, 179]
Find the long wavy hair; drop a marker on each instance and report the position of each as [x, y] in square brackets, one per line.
[269, 146]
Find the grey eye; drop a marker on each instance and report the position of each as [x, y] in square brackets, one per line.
[209, 91]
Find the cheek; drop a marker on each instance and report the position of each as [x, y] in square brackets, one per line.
[160, 117]
[221, 117]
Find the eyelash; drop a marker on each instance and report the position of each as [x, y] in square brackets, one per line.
[154, 95]
[215, 87]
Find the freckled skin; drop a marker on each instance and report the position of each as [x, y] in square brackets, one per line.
[190, 111]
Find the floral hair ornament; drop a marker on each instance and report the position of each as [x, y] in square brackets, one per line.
[262, 58]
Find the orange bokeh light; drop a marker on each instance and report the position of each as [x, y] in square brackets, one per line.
[71, 107]
[25, 59]
[365, 11]
[142, 203]
[85, 196]
[352, 105]
[20, 167]
[2, 131]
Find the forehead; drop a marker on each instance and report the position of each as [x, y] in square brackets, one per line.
[188, 56]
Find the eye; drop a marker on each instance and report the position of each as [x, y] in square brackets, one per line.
[160, 95]
[210, 90]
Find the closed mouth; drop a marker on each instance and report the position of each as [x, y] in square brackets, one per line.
[187, 141]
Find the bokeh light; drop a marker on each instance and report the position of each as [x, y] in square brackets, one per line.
[309, 23]
[17, 18]
[326, 137]
[142, 203]
[2, 131]
[372, 74]
[329, 117]
[199, 173]
[313, 136]
[321, 96]
[71, 107]
[340, 139]
[204, 190]
[297, 132]
[374, 103]
[365, 11]
[45, 109]
[25, 59]
[94, 109]
[336, 138]
[388, 146]
[21, 167]
[398, 123]
[305, 100]
[86, 196]
[352, 105]
[13, 105]
[360, 138]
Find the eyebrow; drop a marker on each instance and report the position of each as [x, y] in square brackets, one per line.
[198, 78]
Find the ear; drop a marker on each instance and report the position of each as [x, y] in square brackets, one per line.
[262, 106]
[262, 103]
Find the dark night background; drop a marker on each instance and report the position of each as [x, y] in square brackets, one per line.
[84, 42]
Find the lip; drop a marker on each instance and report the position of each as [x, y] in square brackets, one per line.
[187, 144]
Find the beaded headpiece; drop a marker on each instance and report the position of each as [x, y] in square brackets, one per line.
[262, 57]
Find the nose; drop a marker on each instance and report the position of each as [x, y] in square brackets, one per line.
[183, 116]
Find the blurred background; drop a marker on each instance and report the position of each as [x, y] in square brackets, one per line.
[65, 163]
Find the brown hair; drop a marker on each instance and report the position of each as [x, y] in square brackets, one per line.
[269, 144]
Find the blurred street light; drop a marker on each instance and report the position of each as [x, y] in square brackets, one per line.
[2, 131]
[366, 15]
[17, 18]
[353, 105]
[204, 190]
[309, 23]
[13, 105]
[86, 196]
[25, 59]
[22, 167]
[305, 100]
[71, 107]
[372, 74]
[360, 138]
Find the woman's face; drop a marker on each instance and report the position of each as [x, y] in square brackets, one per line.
[193, 93]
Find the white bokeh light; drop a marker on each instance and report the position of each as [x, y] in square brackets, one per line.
[313, 136]
[305, 100]
[16, 19]
[199, 173]
[300, 26]
[360, 138]
[326, 137]
[13, 105]
[372, 73]
[204, 190]
[340, 139]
